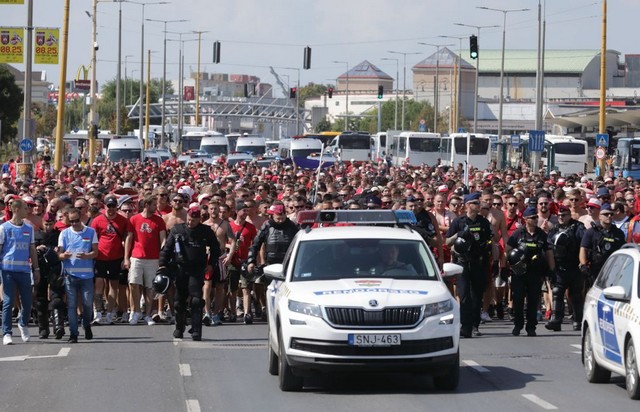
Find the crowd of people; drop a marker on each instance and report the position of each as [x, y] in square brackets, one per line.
[99, 235]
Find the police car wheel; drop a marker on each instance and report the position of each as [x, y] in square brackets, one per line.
[631, 375]
[449, 380]
[595, 373]
[288, 381]
[273, 359]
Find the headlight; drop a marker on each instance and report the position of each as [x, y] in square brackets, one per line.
[433, 309]
[305, 308]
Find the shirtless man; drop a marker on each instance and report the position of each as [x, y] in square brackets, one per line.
[224, 234]
[495, 216]
[546, 221]
[575, 199]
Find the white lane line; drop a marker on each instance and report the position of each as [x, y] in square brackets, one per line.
[14, 359]
[540, 402]
[577, 346]
[193, 405]
[476, 366]
[64, 352]
[61, 354]
[185, 369]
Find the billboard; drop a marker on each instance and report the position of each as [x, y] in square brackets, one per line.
[11, 48]
[46, 49]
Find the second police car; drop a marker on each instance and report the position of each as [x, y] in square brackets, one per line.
[367, 298]
[611, 326]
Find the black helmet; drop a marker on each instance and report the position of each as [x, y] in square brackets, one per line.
[517, 261]
[162, 281]
[461, 245]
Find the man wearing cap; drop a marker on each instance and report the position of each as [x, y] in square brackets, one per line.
[564, 240]
[593, 213]
[244, 233]
[275, 235]
[598, 243]
[193, 248]
[539, 262]
[470, 285]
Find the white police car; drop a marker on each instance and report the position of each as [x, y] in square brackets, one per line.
[367, 298]
[611, 325]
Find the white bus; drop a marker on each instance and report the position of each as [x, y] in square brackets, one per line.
[304, 152]
[379, 145]
[418, 148]
[479, 150]
[215, 144]
[349, 146]
[570, 155]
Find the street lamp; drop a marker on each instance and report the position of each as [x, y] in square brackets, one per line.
[436, 83]
[475, 100]
[164, 70]
[404, 77]
[504, 36]
[180, 79]
[395, 119]
[346, 105]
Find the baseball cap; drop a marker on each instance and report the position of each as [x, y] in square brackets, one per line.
[530, 212]
[240, 206]
[276, 210]
[194, 211]
[6, 176]
[203, 196]
[593, 202]
[603, 191]
[471, 197]
[49, 217]
[606, 206]
[111, 201]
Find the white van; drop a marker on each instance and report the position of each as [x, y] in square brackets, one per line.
[255, 145]
[125, 148]
[216, 144]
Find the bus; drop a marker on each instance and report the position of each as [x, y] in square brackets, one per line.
[627, 157]
[418, 148]
[191, 141]
[379, 145]
[479, 150]
[304, 152]
[567, 154]
[352, 146]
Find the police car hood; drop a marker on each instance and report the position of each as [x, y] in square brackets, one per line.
[359, 292]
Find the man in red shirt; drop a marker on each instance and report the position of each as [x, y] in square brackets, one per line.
[164, 208]
[112, 229]
[142, 252]
[244, 233]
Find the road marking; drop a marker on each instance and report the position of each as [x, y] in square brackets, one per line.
[476, 366]
[577, 346]
[61, 354]
[185, 369]
[540, 402]
[193, 405]
[208, 344]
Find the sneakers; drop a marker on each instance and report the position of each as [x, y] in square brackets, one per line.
[109, 319]
[149, 320]
[248, 319]
[73, 339]
[516, 331]
[88, 333]
[125, 317]
[97, 318]
[196, 337]
[7, 340]
[476, 332]
[206, 320]
[500, 311]
[156, 317]
[215, 320]
[135, 317]
[24, 333]
[232, 318]
[484, 316]
[531, 332]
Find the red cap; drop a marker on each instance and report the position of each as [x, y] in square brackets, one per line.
[194, 211]
[276, 210]
[563, 209]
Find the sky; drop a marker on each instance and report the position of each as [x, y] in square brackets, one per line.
[256, 34]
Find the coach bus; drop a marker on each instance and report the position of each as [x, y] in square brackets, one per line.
[566, 154]
[418, 148]
[352, 146]
[479, 150]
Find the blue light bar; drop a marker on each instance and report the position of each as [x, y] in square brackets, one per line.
[363, 217]
[405, 217]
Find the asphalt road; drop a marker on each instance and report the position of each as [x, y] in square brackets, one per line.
[142, 368]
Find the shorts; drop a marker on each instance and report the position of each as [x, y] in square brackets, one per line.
[123, 277]
[219, 274]
[234, 278]
[108, 269]
[142, 271]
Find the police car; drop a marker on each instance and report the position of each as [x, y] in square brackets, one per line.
[611, 325]
[359, 291]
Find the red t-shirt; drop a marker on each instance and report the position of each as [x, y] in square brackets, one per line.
[111, 234]
[165, 211]
[59, 225]
[146, 236]
[249, 232]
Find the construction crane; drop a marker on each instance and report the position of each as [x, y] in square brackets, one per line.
[285, 89]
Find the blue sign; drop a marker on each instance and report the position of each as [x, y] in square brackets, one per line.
[515, 141]
[26, 145]
[536, 141]
[462, 130]
[602, 140]
[422, 127]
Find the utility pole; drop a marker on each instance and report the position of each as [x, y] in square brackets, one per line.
[93, 121]
[57, 164]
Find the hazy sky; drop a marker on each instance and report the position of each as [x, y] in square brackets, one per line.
[256, 34]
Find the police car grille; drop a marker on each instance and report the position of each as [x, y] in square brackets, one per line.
[406, 316]
[342, 348]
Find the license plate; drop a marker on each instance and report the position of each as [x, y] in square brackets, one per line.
[374, 340]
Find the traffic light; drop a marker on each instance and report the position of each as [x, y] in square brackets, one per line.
[94, 131]
[216, 52]
[292, 92]
[246, 90]
[306, 64]
[330, 92]
[473, 47]
[380, 92]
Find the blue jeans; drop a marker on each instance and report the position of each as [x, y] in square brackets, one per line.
[74, 286]
[9, 281]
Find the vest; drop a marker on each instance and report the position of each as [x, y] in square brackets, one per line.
[78, 242]
[16, 243]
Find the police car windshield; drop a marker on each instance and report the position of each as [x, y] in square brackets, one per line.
[359, 258]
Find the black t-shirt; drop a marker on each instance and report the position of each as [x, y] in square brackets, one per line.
[601, 243]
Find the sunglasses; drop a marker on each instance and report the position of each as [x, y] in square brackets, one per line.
[512, 204]
[178, 200]
[74, 221]
[163, 194]
[564, 214]
[573, 199]
[630, 200]
[606, 214]
[111, 206]
[126, 210]
[497, 204]
[543, 203]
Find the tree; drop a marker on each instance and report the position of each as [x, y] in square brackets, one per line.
[46, 117]
[323, 125]
[309, 91]
[11, 100]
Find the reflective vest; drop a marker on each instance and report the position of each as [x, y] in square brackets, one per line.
[16, 243]
[76, 242]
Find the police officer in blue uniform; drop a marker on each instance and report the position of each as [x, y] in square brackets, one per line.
[470, 236]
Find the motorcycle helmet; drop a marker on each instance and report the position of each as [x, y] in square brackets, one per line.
[517, 261]
[461, 246]
[162, 281]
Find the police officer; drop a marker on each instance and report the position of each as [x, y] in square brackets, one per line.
[598, 243]
[536, 263]
[470, 236]
[564, 241]
[276, 234]
[192, 247]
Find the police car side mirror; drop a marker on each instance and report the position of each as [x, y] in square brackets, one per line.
[615, 293]
[274, 272]
[451, 269]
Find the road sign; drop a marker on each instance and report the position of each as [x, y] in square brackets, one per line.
[82, 85]
[536, 141]
[515, 141]
[602, 140]
[26, 145]
[600, 153]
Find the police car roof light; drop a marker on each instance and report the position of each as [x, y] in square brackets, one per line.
[399, 217]
[405, 217]
[307, 217]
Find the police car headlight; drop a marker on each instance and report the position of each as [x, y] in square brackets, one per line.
[305, 308]
[434, 309]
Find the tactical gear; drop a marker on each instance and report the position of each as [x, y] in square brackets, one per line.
[161, 282]
[518, 262]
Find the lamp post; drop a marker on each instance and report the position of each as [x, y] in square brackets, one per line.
[164, 70]
[504, 37]
[395, 119]
[475, 100]
[181, 79]
[436, 84]
[346, 105]
[404, 77]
